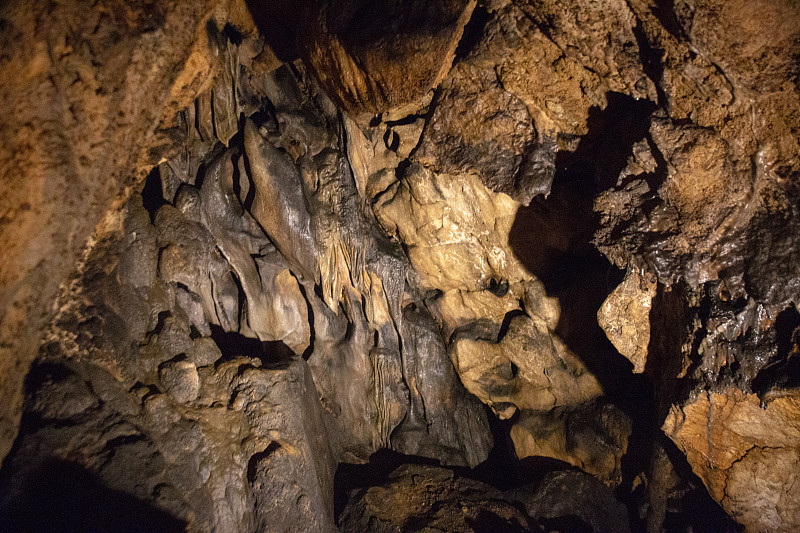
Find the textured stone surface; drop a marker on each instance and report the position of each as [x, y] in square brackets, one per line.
[87, 92]
[593, 437]
[745, 454]
[568, 494]
[417, 498]
[320, 264]
[382, 57]
[528, 368]
[625, 317]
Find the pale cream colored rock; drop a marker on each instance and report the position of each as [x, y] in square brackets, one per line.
[747, 456]
[374, 153]
[529, 368]
[625, 316]
[458, 308]
[455, 228]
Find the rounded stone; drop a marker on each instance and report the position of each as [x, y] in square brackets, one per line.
[180, 380]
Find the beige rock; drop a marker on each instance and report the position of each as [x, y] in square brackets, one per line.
[625, 317]
[591, 437]
[455, 228]
[374, 153]
[747, 456]
[529, 368]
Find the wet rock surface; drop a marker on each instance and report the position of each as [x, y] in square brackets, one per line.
[544, 253]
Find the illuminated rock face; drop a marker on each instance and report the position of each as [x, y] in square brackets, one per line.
[507, 237]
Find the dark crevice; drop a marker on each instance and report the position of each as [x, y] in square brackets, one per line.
[310, 310]
[552, 237]
[278, 22]
[63, 496]
[652, 63]
[473, 32]
[160, 322]
[501, 470]
[232, 34]
[252, 464]
[153, 193]
[241, 299]
[507, 322]
[391, 140]
[247, 202]
[405, 121]
[233, 345]
[664, 10]
[784, 371]
[498, 288]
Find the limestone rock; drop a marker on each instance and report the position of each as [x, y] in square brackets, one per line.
[467, 135]
[747, 455]
[528, 368]
[564, 495]
[383, 57]
[306, 258]
[625, 317]
[204, 352]
[108, 80]
[455, 228]
[593, 437]
[180, 380]
[415, 497]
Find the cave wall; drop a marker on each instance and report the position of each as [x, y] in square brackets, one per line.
[417, 224]
[89, 93]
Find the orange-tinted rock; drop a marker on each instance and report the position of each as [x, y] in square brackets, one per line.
[382, 57]
[747, 455]
[84, 89]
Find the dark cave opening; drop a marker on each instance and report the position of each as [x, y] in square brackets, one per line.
[553, 238]
[78, 501]
[233, 345]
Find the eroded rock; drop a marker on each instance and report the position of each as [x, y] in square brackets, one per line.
[744, 452]
[625, 317]
[565, 495]
[416, 497]
[528, 368]
[384, 57]
[593, 437]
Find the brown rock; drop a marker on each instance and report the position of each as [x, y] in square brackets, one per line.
[625, 317]
[593, 437]
[747, 455]
[382, 57]
[467, 134]
[529, 368]
[84, 89]
[416, 497]
[570, 493]
[180, 380]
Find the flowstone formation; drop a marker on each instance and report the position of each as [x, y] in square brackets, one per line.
[456, 266]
